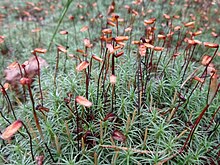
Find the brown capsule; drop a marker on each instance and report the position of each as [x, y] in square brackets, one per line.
[128, 29]
[111, 23]
[97, 58]
[11, 130]
[79, 50]
[35, 30]
[63, 32]
[189, 24]
[119, 54]
[214, 34]
[162, 37]
[84, 28]
[134, 12]
[40, 50]
[210, 45]
[107, 31]
[198, 79]
[177, 28]
[166, 16]
[176, 16]
[206, 59]
[83, 101]
[87, 43]
[2, 39]
[25, 81]
[149, 21]
[157, 48]
[42, 108]
[135, 42]
[147, 45]
[62, 49]
[197, 33]
[83, 65]
[121, 38]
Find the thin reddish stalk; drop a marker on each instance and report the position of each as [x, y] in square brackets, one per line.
[8, 100]
[37, 120]
[158, 61]
[188, 61]
[99, 78]
[29, 135]
[56, 68]
[196, 123]
[213, 117]
[77, 127]
[39, 81]
[23, 87]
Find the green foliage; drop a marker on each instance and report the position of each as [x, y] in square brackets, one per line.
[154, 108]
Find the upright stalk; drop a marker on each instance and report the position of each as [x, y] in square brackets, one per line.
[138, 83]
[77, 126]
[196, 123]
[56, 68]
[29, 135]
[99, 78]
[188, 61]
[39, 82]
[28, 83]
[8, 100]
[113, 85]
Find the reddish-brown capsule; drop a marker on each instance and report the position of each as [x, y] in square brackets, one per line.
[97, 58]
[210, 45]
[40, 50]
[25, 81]
[62, 49]
[83, 65]
[83, 101]
[11, 130]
